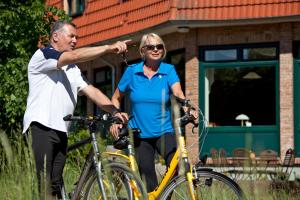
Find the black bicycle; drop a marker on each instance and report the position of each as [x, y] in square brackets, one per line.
[101, 179]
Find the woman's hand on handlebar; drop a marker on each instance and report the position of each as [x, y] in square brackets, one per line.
[123, 116]
[114, 130]
[116, 127]
[191, 112]
[194, 113]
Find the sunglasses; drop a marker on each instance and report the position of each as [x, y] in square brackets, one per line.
[151, 47]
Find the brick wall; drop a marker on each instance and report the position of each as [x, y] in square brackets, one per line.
[286, 88]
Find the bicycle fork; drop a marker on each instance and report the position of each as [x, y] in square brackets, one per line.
[97, 163]
[187, 168]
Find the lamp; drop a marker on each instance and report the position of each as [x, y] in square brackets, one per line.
[252, 75]
[183, 29]
[242, 118]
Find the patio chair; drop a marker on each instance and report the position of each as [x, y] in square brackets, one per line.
[223, 158]
[215, 157]
[241, 163]
[287, 165]
[267, 163]
[241, 157]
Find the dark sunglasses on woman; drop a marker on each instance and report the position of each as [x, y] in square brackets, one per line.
[151, 47]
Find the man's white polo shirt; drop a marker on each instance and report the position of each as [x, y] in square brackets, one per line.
[52, 92]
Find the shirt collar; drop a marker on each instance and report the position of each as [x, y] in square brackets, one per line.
[161, 70]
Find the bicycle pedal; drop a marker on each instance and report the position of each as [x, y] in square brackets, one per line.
[71, 194]
[208, 181]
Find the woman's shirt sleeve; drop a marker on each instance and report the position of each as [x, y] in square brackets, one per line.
[125, 81]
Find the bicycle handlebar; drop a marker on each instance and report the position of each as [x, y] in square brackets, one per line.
[104, 117]
[187, 117]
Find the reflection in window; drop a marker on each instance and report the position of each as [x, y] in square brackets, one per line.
[259, 53]
[234, 91]
[103, 81]
[220, 55]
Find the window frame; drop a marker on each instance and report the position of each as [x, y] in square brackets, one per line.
[239, 48]
[239, 63]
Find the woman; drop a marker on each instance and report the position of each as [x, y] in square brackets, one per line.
[150, 84]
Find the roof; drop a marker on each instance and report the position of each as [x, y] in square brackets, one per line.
[106, 19]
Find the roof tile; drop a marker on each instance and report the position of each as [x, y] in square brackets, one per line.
[107, 19]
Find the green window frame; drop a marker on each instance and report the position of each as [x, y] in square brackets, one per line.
[256, 136]
[76, 7]
[296, 56]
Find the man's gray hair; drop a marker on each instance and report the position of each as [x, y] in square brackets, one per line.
[59, 25]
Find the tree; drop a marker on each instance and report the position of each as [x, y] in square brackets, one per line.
[24, 24]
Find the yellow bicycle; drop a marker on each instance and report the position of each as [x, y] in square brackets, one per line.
[182, 180]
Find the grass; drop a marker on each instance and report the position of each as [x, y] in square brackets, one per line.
[18, 180]
[17, 171]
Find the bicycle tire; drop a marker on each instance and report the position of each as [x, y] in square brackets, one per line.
[127, 185]
[208, 185]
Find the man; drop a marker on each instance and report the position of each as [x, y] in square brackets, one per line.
[54, 82]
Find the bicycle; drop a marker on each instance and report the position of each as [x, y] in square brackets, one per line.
[193, 181]
[98, 179]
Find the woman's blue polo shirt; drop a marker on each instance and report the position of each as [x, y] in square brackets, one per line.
[150, 98]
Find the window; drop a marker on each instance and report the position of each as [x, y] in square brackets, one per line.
[81, 106]
[239, 53]
[75, 7]
[221, 55]
[245, 86]
[259, 53]
[80, 110]
[103, 81]
[241, 90]
[177, 58]
[296, 50]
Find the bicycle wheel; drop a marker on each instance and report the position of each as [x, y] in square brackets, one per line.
[208, 185]
[119, 183]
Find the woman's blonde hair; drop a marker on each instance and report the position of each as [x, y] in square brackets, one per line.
[144, 41]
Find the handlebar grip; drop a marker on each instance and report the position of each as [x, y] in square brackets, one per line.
[123, 132]
[112, 119]
[67, 117]
[73, 118]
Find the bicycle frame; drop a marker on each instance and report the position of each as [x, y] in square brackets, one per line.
[180, 154]
[92, 160]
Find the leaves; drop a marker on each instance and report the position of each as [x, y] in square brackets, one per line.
[23, 26]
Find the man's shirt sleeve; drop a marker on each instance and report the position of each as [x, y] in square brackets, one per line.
[44, 59]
